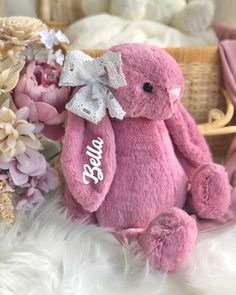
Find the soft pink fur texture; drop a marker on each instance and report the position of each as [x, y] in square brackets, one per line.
[150, 158]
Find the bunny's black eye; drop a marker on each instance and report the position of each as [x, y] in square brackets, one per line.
[147, 87]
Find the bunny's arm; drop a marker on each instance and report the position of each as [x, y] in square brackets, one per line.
[75, 161]
[210, 189]
[186, 137]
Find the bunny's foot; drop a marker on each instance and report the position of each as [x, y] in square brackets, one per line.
[169, 239]
[210, 192]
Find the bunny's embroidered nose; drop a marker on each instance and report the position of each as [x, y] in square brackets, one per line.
[174, 93]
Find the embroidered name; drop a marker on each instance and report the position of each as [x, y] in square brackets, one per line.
[94, 171]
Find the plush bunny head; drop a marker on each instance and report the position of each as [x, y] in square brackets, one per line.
[154, 82]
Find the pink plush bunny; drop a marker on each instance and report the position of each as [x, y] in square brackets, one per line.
[154, 162]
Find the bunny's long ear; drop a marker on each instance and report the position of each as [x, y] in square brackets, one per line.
[88, 160]
[190, 144]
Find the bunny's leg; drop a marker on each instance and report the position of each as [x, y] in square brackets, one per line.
[169, 239]
[210, 190]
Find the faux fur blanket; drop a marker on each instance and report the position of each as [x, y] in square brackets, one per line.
[46, 253]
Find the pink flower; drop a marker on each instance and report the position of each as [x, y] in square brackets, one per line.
[49, 181]
[32, 197]
[44, 183]
[38, 89]
[18, 172]
[29, 181]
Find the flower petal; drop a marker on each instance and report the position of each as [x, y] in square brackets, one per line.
[3, 176]
[4, 76]
[11, 142]
[5, 166]
[20, 87]
[57, 120]
[38, 127]
[33, 91]
[61, 37]
[24, 204]
[53, 178]
[54, 132]
[7, 115]
[36, 197]
[18, 177]
[6, 156]
[2, 134]
[20, 147]
[57, 97]
[47, 113]
[31, 143]
[6, 103]
[26, 129]
[30, 69]
[24, 163]
[22, 114]
[11, 82]
[23, 100]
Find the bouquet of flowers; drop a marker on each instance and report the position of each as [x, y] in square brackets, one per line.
[32, 112]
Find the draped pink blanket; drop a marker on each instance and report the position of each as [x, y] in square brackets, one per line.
[224, 31]
[228, 56]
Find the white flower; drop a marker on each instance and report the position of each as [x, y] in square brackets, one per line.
[48, 55]
[35, 52]
[51, 57]
[48, 38]
[16, 134]
[55, 57]
[51, 38]
[61, 37]
[10, 69]
[59, 57]
[20, 30]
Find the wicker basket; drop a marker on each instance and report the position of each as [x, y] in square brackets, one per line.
[60, 13]
[204, 97]
[1, 7]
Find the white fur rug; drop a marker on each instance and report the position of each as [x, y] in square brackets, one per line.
[47, 254]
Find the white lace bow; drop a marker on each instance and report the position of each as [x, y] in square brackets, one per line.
[94, 76]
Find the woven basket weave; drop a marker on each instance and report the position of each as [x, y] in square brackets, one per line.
[60, 13]
[204, 97]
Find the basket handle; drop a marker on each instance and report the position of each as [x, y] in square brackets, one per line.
[217, 120]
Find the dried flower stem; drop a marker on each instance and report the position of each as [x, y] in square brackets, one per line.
[6, 207]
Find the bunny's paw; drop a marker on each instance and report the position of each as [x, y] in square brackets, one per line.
[210, 192]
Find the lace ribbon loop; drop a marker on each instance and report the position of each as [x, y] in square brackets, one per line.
[94, 76]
